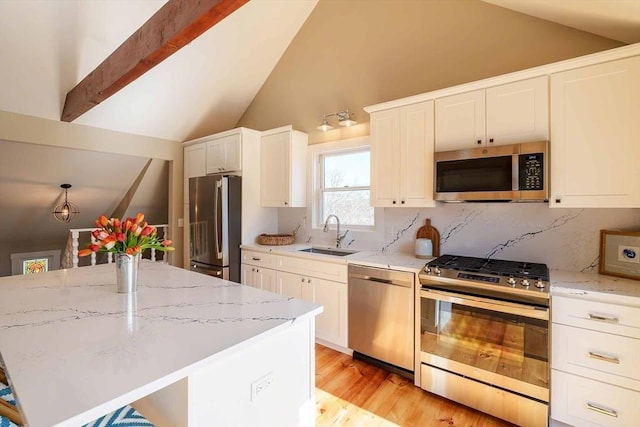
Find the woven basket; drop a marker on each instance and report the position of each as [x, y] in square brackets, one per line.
[275, 239]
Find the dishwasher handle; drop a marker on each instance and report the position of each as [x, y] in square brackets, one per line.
[381, 280]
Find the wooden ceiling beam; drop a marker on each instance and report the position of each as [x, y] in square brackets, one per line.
[173, 26]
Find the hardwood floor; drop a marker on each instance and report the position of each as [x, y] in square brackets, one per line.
[352, 393]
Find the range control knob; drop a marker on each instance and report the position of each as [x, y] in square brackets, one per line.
[525, 283]
[437, 271]
[427, 270]
[540, 284]
[511, 281]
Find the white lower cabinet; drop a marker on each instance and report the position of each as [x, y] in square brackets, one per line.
[331, 324]
[315, 280]
[254, 271]
[258, 277]
[595, 379]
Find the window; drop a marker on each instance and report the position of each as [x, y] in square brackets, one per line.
[344, 187]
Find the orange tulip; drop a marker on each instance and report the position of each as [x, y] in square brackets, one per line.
[116, 222]
[146, 231]
[166, 242]
[103, 221]
[84, 252]
[109, 242]
[139, 217]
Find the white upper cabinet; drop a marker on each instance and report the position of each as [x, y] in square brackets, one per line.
[283, 160]
[518, 112]
[194, 161]
[224, 154]
[460, 121]
[507, 114]
[194, 165]
[402, 156]
[595, 136]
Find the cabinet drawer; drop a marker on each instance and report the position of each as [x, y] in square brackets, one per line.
[260, 259]
[513, 408]
[309, 267]
[598, 316]
[587, 403]
[605, 357]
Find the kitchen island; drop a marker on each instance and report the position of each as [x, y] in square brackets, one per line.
[187, 349]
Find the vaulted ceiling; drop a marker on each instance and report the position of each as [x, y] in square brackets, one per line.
[49, 46]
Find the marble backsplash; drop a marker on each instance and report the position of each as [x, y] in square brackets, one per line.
[565, 239]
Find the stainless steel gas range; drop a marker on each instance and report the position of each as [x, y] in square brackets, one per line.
[484, 335]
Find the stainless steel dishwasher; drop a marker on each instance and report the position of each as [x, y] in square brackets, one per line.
[381, 315]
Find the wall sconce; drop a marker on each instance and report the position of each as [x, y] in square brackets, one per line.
[344, 119]
[67, 210]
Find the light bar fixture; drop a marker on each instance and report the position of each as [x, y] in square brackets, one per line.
[345, 118]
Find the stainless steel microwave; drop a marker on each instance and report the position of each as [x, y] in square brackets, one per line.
[517, 172]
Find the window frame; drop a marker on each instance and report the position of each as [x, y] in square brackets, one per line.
[314, 223]
[319, 188]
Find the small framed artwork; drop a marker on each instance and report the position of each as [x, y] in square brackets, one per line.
[620, 253]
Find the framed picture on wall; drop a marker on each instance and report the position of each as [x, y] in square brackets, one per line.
[620, 253]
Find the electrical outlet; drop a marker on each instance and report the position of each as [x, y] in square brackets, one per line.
[261, 385]
[180, 222]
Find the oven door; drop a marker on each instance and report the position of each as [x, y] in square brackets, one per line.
[503, 344]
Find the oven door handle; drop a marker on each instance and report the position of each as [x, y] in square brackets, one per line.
[525, 310]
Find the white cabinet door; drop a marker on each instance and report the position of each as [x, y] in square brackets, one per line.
[595, 134]
[283, 155]
[247, 276]
[290, 284]
[518, 112]
[416, 153]
[507, 114]
[267, 279]
[223, 154]
[194, 165]
[385, 158]
[402, 156]
[331, 324]
[275, 169]
[460, 121]
[258, 277]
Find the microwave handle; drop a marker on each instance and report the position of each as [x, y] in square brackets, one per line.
[525, 310]
[515, 177]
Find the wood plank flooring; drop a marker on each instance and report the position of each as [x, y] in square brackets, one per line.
[352, 393]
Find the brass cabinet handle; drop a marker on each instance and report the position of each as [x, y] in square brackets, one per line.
[603, 318]
[601, 410]
[604, 358]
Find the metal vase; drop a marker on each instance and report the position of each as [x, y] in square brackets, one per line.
[127, 273]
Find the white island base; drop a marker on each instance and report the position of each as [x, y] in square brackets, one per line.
[256, 383]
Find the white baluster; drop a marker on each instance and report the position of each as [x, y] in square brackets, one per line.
[153, 254]
[93, 254]
[74, 245]
[109, 258]
[165, 257]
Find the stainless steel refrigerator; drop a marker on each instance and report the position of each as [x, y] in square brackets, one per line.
[215, 203]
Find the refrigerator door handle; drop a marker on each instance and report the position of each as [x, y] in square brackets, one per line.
[216, 208]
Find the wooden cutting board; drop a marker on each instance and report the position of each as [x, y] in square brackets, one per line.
[429, 232]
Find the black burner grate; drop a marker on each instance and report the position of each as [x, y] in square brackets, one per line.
[497, 267]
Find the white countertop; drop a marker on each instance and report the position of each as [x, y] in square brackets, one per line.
[595, 286]
[75, 349]
[391, 260]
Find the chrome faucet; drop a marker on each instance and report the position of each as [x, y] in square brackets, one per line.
[339, 237]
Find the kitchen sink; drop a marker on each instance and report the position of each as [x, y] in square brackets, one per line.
[334, 252]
